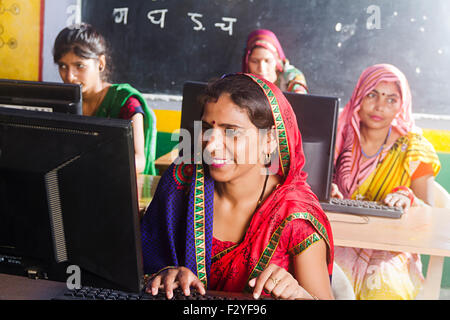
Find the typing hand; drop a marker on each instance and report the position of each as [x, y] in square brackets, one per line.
[335, 193]
[279, 283]
[173, 278]
[398, 199]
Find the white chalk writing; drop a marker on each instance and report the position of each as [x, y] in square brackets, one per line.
[162, 17]
[120, 15]
[198, 24]
[158, 17]
[224, 26]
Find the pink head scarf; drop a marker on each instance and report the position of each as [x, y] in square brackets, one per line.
[348, 131]
[268, 40]
[368, 80]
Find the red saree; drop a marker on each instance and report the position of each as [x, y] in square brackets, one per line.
[275, 231]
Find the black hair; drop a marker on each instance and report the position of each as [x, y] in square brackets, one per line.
[84, 41]
[245, 93]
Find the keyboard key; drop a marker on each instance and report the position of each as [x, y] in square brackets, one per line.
[368, 208]
[108, 294]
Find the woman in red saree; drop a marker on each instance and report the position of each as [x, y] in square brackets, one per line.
[234, 223]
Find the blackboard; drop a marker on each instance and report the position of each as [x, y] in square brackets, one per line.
[331, 41]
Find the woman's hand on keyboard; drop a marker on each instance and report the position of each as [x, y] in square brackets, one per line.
[172, 278]
[335, 193]
[278, 282]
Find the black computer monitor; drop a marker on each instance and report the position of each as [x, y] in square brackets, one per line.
[317, 121]
[68, 197]
[41, 96]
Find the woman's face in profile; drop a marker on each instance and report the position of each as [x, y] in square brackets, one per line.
[231, 144]
[263, 63]
[76, 70]
[380, 106]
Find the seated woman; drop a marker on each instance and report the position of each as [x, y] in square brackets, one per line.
[265, 57]
[235, 223]
[382, 156]
[81, 55]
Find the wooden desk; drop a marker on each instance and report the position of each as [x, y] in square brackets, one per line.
[421, 230]
[22, 288]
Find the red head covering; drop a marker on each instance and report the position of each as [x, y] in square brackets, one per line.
[268, 40]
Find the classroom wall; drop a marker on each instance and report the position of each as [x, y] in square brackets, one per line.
[21, 24]
[59, 13]
[331, 41]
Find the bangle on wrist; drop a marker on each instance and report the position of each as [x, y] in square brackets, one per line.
[405, 191]
[148, 277]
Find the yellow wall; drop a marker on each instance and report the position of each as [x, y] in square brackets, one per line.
[168, 120]
[20, 29]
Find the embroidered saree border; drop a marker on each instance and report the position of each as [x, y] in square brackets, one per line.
[283, 144]
[305, 244]
[222, 253]
[199, 224]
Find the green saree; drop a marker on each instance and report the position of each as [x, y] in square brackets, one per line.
[110, 107]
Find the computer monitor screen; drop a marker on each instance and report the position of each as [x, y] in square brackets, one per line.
[317, 121]
[68, 197]
[41, 96]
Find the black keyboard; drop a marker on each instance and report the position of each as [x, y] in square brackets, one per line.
[90, 293]
[362, 207]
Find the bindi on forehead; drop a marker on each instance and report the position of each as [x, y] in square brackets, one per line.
[389, 94]
[387, 88]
